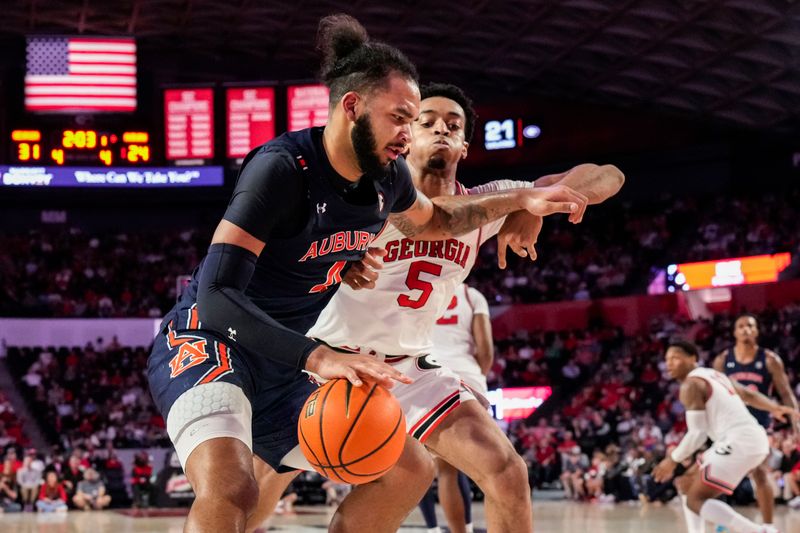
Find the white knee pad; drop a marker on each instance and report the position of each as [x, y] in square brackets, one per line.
[207, 412]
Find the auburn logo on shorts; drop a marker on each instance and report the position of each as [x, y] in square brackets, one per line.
[189, 354]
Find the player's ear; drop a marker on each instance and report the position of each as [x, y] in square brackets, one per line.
[349, 102]
[464, 150]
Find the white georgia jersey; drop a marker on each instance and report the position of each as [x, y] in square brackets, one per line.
[453, 342]
[725, 410]
[413, 289]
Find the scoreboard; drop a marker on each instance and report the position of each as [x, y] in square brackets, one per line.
[307, 106]
[250, 115]
[101, 147]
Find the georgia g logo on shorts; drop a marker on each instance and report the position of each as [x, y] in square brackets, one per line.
[723, 449]
[426, 362]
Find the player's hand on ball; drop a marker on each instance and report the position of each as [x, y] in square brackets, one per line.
[364, 273]
[520, 232]
[355, 368]
[545, 201]
[663, 472]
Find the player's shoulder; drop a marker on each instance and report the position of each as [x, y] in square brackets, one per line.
[696, 383]
[773, 360]
[474, 293]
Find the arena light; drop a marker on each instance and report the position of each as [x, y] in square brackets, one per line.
[725, 272]
[517, 402]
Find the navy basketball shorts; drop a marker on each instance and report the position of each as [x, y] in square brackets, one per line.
[206, 386]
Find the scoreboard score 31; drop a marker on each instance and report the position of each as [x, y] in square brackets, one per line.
[80, 147]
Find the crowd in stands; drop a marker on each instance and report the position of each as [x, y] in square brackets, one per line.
[74, 273]
[11, 427]
[70, 273]
[92, 396]
[83, 479]
[604, 442]
[617, 416]
[617, 249]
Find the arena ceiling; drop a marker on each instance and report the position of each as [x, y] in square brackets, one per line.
[733, 60]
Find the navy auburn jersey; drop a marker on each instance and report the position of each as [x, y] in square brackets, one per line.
[754, 376]
[313, 221]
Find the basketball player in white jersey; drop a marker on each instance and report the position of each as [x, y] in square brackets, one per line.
[462, 342]
[394, 320]
[716, 410]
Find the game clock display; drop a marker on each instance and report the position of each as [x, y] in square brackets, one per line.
[80, 147]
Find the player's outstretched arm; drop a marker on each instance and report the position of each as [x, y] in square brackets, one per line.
[444, 217]
[597, 182]
[755, 399]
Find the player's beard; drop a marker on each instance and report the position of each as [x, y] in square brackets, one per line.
[366, 147]
[436, 162]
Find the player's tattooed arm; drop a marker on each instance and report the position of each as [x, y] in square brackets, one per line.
[597, 182]
[444, 217]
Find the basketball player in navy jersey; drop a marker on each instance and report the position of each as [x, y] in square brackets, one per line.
[225, 371]
[758, 369]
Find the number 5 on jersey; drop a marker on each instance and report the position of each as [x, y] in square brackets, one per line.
[414, 282]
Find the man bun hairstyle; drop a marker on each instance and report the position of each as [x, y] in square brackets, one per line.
[454, 93]
[353, 62]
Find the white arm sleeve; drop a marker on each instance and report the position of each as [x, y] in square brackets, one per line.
[696, 435]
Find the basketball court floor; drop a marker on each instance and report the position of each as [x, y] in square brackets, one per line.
[550, 517]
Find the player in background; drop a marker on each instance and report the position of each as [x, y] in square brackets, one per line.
[462, 342]
[716, 410]
[226, 371]
[417, 281]
[759, 369]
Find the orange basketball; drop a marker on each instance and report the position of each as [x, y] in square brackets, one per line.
[352, 434]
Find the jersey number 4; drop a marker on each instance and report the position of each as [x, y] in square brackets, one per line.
[414, 283]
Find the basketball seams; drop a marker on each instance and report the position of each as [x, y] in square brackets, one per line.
[319, 456]
[353, 425]
[321, 432]
[359, 459]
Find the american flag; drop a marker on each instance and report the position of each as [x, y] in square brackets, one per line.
[80, 74]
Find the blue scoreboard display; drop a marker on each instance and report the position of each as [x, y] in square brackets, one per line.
[508, 133]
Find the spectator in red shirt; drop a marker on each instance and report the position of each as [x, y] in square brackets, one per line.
[52, 496]
[140, 480]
